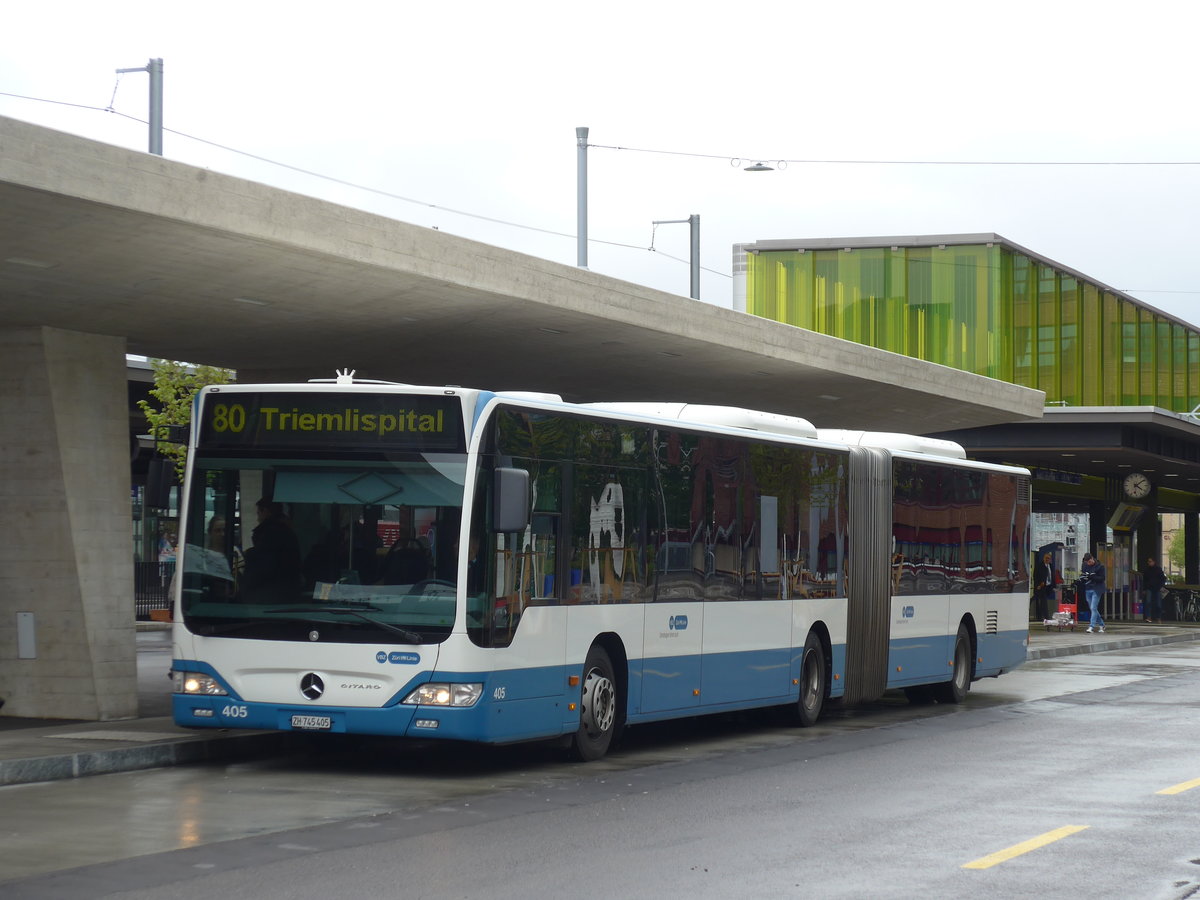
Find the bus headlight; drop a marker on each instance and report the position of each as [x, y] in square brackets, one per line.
[442, 694]
[195, 683]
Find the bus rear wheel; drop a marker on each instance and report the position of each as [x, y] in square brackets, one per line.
[955, 690]
[597, 707]
[812, 682]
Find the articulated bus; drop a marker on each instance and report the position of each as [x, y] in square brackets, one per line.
[443, 563]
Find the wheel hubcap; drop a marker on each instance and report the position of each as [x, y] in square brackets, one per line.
[960, 666]
[599, 703]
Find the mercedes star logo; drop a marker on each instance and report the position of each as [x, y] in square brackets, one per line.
[311, 686]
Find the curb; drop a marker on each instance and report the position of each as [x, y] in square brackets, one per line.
[77, 764]
[1115, 643]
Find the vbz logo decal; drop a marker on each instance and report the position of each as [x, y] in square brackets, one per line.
[677, 623]
[908, 612]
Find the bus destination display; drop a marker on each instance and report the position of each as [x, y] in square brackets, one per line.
[305, 421]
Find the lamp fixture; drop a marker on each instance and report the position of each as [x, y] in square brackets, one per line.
[759, 167]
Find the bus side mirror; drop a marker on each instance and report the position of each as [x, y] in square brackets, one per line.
[510, 495]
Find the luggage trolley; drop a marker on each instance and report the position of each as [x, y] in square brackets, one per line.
[1065, 617]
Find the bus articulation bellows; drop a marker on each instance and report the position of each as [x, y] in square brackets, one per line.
[501, 567]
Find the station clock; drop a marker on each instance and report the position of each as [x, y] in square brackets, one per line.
[1137, 486]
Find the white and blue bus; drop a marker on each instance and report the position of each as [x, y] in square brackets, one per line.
[501, 567]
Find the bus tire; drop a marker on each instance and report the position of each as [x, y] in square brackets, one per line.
[812, 682]
[597, 707]
[955, 690]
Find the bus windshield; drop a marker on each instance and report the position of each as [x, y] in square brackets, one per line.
[360, 551]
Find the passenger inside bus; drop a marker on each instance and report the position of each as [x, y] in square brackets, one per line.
[273, 570]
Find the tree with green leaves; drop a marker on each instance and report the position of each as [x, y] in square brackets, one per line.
[175, 384]
[1175, 554]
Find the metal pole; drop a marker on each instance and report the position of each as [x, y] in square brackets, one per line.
[155, 68]
[694, 222]
[581, 135]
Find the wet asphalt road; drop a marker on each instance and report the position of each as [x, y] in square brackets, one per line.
[890, 800]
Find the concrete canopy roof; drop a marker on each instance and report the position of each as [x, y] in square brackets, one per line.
[1103, 441]
[192, 265]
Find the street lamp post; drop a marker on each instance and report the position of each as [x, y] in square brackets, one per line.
[581, 134]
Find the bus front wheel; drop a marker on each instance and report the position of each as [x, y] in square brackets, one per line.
[597, 707]
[812, 682]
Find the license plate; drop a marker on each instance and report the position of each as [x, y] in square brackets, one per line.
[312, 723]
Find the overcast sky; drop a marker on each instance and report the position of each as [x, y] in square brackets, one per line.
[472, 107]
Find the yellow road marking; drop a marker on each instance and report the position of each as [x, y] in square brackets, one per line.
[1180, 788]
[992, 859]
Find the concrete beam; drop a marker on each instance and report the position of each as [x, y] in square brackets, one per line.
[190, 264]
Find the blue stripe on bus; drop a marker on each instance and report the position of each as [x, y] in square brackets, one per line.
[928, 660]
[1002, 652]
[524, 704]
[517, 704]
[748, 678]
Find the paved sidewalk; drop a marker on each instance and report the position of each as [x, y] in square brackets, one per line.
[34, 750]
[1044, 643]
[49, 749]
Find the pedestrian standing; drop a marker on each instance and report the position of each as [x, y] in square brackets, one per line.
[1043, 591]
[1094, 581]
[1153, 580]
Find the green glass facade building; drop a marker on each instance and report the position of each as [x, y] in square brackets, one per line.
[984, 305]
[1121, 379]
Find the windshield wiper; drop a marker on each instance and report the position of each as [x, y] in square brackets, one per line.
[410, 636]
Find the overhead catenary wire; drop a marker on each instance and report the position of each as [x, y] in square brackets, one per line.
[906, 162]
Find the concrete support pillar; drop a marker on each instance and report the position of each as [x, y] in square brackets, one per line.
[1149, 538]
[67, 639]
[1097, 526]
